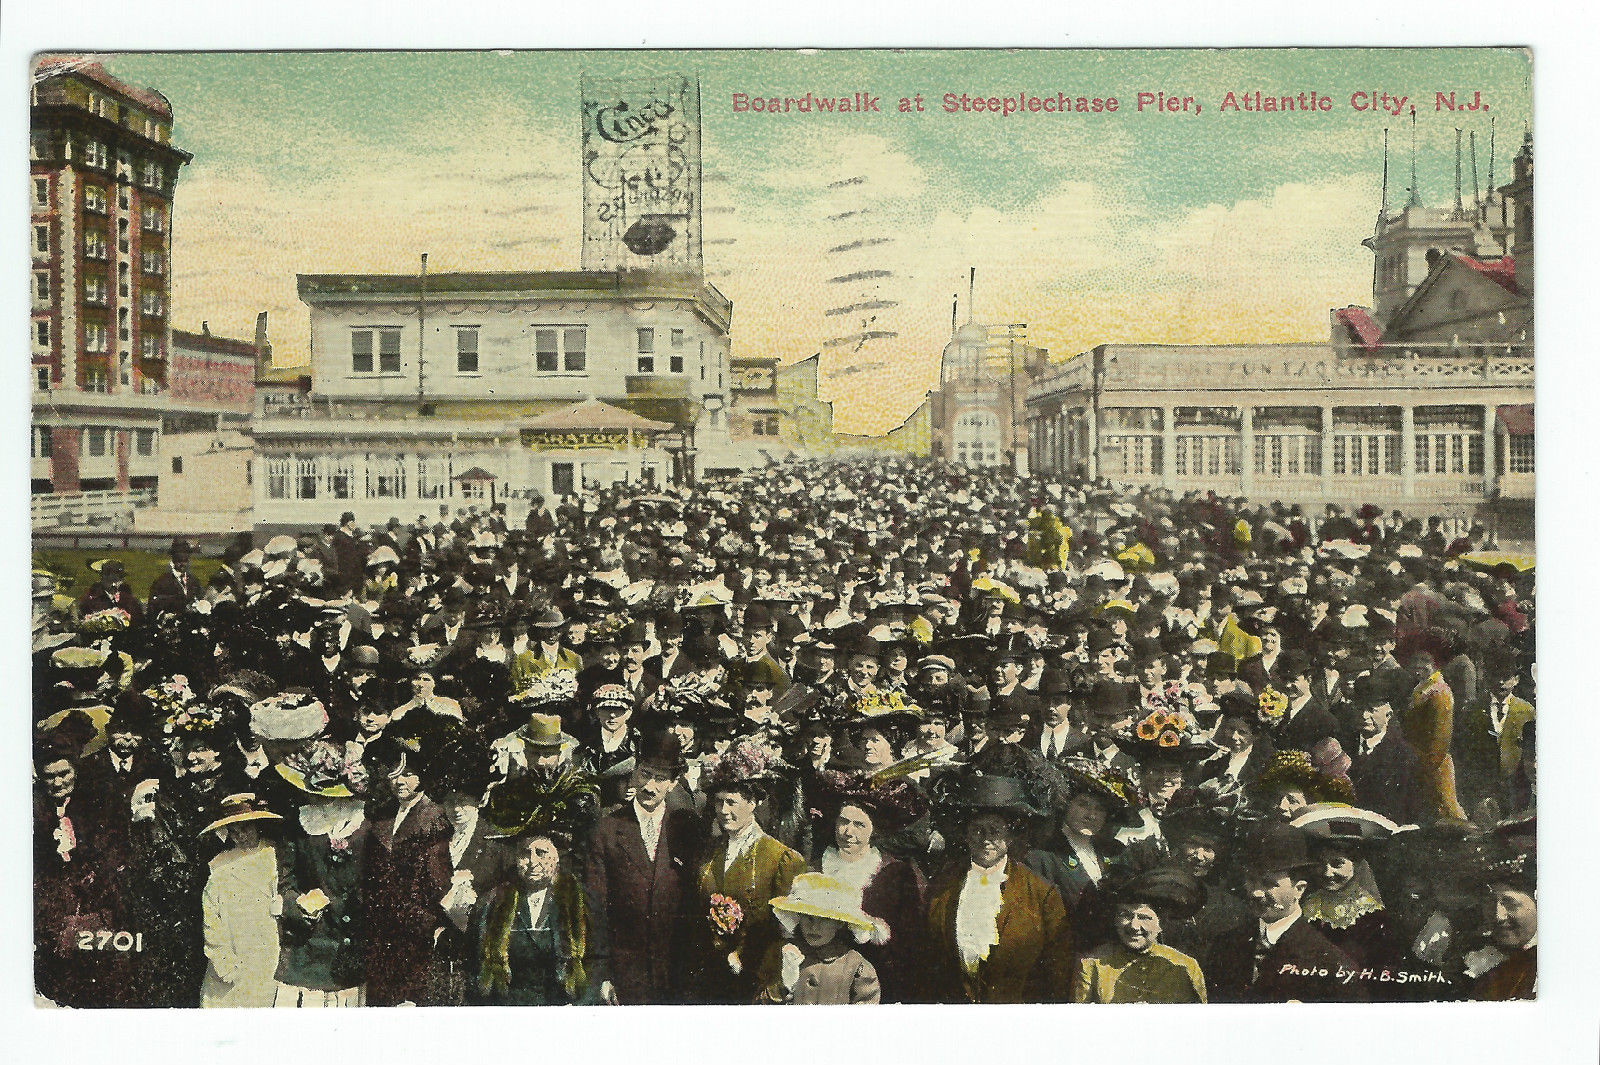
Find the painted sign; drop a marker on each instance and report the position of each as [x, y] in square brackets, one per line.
[753, 379]
[575, 440]
[641, 173]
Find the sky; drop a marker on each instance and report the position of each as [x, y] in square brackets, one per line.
[1135, 226]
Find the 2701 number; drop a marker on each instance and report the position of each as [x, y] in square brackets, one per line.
[104, 940]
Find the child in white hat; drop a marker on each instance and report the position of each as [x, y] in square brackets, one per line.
[823, 919]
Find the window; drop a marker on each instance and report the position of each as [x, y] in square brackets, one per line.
[387, 343]
[305, 476]
[152, 176]
[94, 154]
[41, 333]
[94, 337]
[152, 219]
[772, 425]
[94, 244]
[144, 441]
[759, 426]
[122, 235]
[153, 262]
[150, 303]
[95, 381]
[277, 478]
[125, 369]
[647, 348]
[177, 464]
[386, 477]
[149, 347]
[122, 199]
[434, 476]
[471, 489]
[94, 199]
[467, 349]
[558, 350]
[677, 338]
[1519, 458]
[97, 442]
[41, 192]
[122, 280]
[341, 478]
[675, 363]
[41, 239]
[42, 377]
[94, 290]
[43, 440]
[41, 287]
[122, 323]
[561, 478]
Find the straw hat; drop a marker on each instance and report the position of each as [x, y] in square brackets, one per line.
[815, 895]
[239, 808]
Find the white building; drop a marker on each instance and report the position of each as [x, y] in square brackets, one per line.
[418, 380]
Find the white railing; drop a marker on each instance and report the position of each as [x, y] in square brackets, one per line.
[90, 508]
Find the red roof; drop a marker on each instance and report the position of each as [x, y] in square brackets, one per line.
[1517, 418]
[54, 65]
[1359, 321]
[477, 473]
[1502, 271]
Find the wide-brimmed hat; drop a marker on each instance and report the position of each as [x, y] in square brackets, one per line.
[235, 809]
[1338, 822]
[816, 895]
[746, 764]
[1087, 776]
[555, 804]
[976, 792]
[322, 770]
[1294, 769]
[293, 715]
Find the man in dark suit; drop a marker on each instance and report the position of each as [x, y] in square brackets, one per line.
[111, 592]
[111, 773]
[641, 876]
[1280, 957]
[349, 551]
[1383, 767]
[175, 588]
[1059, 729]
[1307, 721]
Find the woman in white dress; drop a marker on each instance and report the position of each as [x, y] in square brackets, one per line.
[239, 909]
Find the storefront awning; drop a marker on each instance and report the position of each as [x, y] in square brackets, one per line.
[1517, 419]
[477, 473]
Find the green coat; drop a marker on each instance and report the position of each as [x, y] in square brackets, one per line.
[761, 874]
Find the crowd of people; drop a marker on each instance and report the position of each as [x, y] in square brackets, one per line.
[850, 732]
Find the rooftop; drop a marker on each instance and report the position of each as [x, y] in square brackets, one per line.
[52, 66]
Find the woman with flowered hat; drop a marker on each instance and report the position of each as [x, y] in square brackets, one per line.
[853, 812]
[322, 926]
[997, 931]
[1096, 803]
[744, 871]
[1291, 782]
[1136, 965]
[537, 937]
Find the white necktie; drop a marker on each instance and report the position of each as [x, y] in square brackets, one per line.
[650, 829]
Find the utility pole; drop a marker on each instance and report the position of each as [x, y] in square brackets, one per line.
[422, 320]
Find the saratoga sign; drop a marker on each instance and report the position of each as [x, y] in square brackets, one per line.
[584, 440]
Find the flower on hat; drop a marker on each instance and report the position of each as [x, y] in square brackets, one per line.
[878, 702]
[171, 695]
[321, 767]
[192, 720]
[550, 686]
[747, 760]
[1272, 703]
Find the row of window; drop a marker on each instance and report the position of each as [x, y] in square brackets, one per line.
[767, 426]
[1355, 454]
[96, 441]
[378, 477]
[130, 117]
[561, 349]
[96, 339]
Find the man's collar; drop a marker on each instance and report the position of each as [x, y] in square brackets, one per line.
[1276, 929]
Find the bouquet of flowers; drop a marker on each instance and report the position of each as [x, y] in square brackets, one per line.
[726, 915]
[106, 622]
[550, 686]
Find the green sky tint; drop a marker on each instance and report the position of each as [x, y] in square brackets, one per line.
[474, 158]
